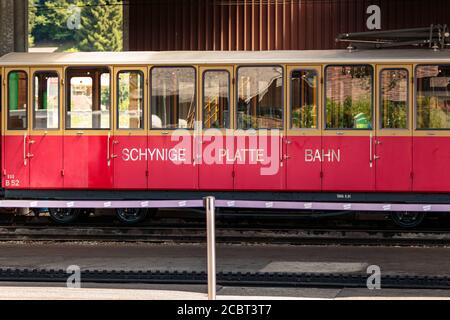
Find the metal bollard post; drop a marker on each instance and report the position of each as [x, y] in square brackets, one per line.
[211, 244]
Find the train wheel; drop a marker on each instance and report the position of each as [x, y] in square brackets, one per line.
[84, 213]
[408, 219]
[151, 212]
[63, 215]
[131, 215]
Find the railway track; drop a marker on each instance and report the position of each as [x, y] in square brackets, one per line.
[271, 279]
[237, 235]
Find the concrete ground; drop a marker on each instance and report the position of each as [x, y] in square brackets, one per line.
[52, 291]
[251, 258]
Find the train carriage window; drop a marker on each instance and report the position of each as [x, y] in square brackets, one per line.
[216, 99]
[349, 90]
[17, 100]
[433, 97]
[394, 99]
[304, 94]
[46, 100]
[130, 100]
[173, 98]
[88, 98]
[260, 98]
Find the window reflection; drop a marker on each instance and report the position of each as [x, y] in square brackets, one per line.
[433, 97]
[173, 98]
[304, 99]
[130, 100]
[216, 99]
[46, 100]
[17, 100]
[89, 101]
[349, 97]
[394, 99]
[260, 98]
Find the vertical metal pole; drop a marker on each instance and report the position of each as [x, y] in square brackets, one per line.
[211, 244]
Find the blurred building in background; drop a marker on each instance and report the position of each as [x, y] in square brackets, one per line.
[268, 24]
[113, 25]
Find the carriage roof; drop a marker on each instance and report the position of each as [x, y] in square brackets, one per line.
[226, 57]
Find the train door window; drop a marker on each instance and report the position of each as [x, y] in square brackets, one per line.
[433, 96]
[17, 100]
[216, 99]
[88, 98]
[173, 98]
[46, 100]
[304, 99]
[260, 97]
[394, 98]
[349, 91]
[130, 100]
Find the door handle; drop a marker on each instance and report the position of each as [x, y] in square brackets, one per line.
[370, 150]
[114, 156]
[375, 157]
[32, 142]
[108, 155]
[25, 149]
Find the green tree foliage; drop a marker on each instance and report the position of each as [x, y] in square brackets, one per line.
[106, 22]
[343, 115]
[31, 23]
[304, 117]
[51, 21]
[100, 28]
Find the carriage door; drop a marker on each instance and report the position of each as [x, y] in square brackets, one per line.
[347, 153]
[303, 139]
[216, 141]
[431, 141]
[16, 173]
[258, 156]
[88, 123]
[171, 160]
[129, 144]
[46, 136]
[393, 144]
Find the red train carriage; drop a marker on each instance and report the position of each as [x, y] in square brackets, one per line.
[358, 126]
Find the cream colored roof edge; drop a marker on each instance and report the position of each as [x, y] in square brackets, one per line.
[224, 57]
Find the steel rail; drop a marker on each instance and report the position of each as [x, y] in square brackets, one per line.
[310, 236]
[272, 279]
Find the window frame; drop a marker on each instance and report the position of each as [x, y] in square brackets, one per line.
[33, 111]
[291, 100]
[68, 96]
[117, 100]
[325, 97]
[150, 96]
[203, 97]
[283, 101]
[408, 92]
[8, 99]
[415, 97]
